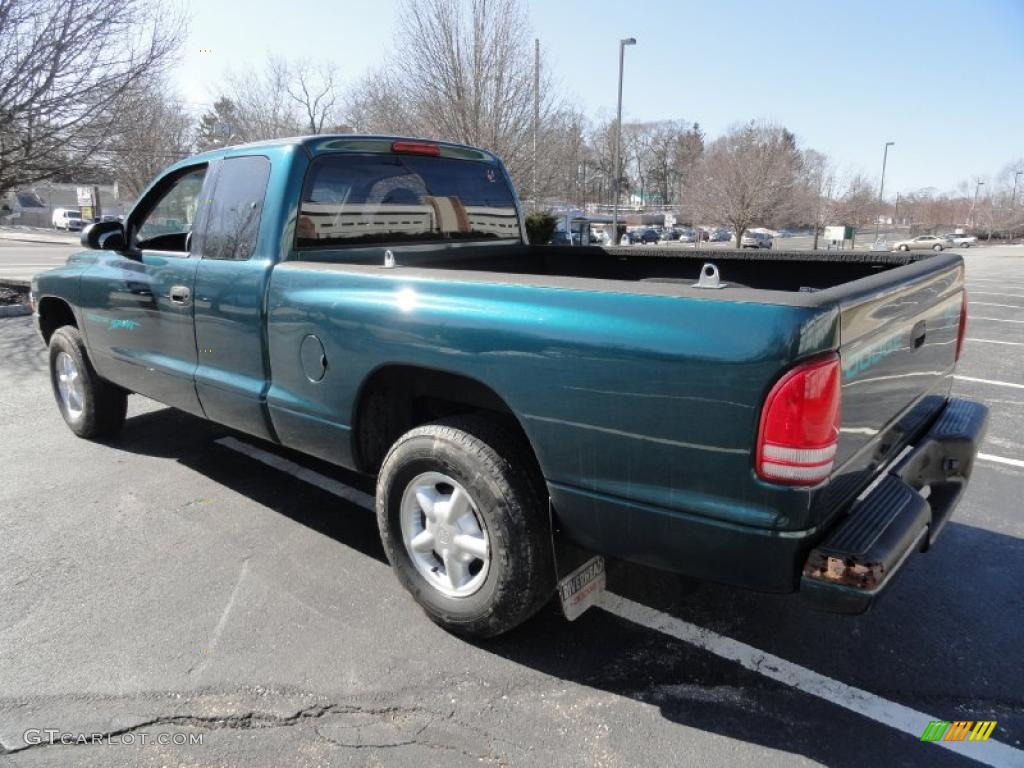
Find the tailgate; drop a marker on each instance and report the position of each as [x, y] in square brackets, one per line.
[898, 336]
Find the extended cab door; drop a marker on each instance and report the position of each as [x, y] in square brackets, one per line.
[138, 305]
[232, 374]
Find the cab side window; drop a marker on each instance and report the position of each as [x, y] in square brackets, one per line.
[168, 223]
[235, 208]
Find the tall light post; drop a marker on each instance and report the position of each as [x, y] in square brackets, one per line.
[974, 205]
[881, 188]
[618, 143]
[1013, 203]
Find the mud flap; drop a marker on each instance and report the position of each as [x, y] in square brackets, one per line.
[580, 572]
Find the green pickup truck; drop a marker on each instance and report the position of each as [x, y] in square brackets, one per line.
[777, 421]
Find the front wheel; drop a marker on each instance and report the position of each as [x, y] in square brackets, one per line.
[464, 524]
[92, 407]
[904, 248]
[936, 248]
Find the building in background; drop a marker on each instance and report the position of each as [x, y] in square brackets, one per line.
[33, 207]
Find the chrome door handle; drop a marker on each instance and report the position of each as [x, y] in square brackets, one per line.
[180, 294]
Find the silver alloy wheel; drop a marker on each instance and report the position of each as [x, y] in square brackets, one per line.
[445, 535]
[69, 386]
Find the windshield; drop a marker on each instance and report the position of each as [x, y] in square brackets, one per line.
[371, 199]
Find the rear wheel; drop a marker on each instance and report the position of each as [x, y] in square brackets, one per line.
[464, 524]
[91, 406]
[936, 247]
[904, 247]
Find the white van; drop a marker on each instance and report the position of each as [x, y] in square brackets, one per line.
[67, 218]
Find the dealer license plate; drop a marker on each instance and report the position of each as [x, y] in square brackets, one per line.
[581, 588]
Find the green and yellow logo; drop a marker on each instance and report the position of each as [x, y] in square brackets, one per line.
[959, 730]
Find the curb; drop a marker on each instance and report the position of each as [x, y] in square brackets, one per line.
[29, 237]
[10, 282]
[15, 310]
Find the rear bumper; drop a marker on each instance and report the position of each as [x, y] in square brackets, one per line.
[904, 512]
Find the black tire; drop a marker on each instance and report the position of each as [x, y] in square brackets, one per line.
[936, 247]
[104, 405]
[904, 248]
[498, 473]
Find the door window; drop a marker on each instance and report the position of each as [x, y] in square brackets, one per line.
[168, 223]
[235, 208]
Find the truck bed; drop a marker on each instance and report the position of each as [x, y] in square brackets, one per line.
[648, 269]
[611, 353]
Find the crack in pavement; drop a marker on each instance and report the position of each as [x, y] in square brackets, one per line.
[245, 721]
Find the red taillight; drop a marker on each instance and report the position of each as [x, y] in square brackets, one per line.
[415, 148]
[799, 432]
[962, 331]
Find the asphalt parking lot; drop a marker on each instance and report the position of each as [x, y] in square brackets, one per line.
[184, 579]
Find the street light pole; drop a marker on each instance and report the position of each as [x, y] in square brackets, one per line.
[1013, 202]
[618, 143]
[881, 188]
[974, 205]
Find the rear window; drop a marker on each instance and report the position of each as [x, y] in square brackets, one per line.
[378, 199]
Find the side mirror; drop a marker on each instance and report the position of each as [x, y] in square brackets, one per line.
[105, 236]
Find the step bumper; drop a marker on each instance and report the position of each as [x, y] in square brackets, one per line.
[904, 512]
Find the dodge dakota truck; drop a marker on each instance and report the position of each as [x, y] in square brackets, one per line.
[780, 421]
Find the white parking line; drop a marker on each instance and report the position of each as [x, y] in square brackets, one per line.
[889, 713]
[992, 293]
[905, 719]
[991, 304]
[1001, 460]
[307, 475]
[995, 341]
[995, 320]
[993, 382]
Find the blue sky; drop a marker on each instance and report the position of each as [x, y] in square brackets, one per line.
[943, 79]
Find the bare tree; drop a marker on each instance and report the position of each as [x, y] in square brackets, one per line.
[152, 132]
[284, 98]
[747, 177]
[859, 204]
[462, 71]
[663, 154]
[66, 72]
[818, 191]
[561, 157]
[636, 140]
[313, 89]
[262, 107]
[601, 140]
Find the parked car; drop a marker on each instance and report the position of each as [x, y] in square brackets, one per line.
[721, 235]
[649, 235]
[756, 240]
[687, 236]
[512, 400]
[561, 237]
[669, 235]
[67, 218]
[922, 243]
[961, 241]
